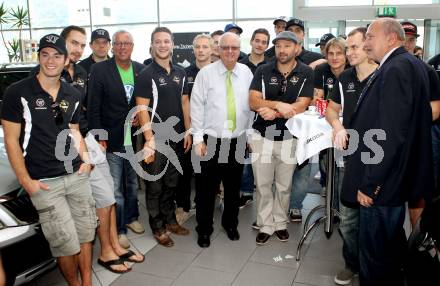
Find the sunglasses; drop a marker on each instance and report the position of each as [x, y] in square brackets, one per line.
[283, 88]
[57, 114]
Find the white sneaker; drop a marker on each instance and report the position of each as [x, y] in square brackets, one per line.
[136, 227]
[344, 277]
[317, 176]
[123, 241]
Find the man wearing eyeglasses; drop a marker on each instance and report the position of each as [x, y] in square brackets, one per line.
[38, 112]
[220, 115]
[278, 91]
[110, 98]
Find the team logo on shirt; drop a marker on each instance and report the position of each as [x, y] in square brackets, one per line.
[176, 79]
[162, 81]
[273, 80]
[294, 80]
[64, 105]
[80, 82]
[190, 79]
[351, 85]
[40, 104]
[329, 80]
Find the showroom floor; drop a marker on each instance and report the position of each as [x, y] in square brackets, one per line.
[226, 262]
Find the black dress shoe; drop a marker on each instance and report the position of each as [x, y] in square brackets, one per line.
[232, 233]
[283, 235]
[262, 238]
[204, 240]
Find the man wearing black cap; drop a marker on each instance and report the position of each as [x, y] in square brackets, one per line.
[37, 112]
[324, 39]
[279, 90]
[100, 45]
[279, 25]
[309, 58]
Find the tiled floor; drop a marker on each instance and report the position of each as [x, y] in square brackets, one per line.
[226, 262]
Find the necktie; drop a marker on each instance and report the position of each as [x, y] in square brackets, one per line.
[230, 100]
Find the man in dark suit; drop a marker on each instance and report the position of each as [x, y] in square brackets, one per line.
[382, 175]
[111, 86]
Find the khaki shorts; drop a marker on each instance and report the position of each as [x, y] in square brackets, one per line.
[67, 213]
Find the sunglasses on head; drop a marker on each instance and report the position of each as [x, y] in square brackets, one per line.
[57, 113]
[283, 88]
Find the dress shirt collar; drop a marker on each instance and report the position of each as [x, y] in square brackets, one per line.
[222, 69]
[387, 56]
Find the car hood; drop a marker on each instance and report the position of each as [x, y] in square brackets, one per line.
[8, 181]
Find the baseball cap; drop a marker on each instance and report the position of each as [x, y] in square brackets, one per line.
[281, 18]
[295, 22]
[410, 28]
[53, 41]
[285, 35]
[100, 34]
[233, 26]
[324, 39]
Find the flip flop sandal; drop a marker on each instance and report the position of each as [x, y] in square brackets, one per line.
[126, 257]
[108, 265]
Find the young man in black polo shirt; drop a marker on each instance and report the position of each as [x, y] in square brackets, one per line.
[346, 93]
[100, 45]
[35, 112]
[278, 91]
[259, 43]
[202, 44]
[311, 59]
[163, 87]
[279, 25]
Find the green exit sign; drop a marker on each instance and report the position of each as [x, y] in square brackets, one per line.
[386, 12]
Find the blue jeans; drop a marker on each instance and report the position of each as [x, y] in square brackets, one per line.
[300, 184]
[126, 191]
[247, 180]
[382, 246]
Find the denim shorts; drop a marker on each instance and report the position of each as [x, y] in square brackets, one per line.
[67, 213]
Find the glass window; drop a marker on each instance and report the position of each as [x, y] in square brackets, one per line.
[253, 8]
[11, 5]
[178, 10]
[55, 13]
[403, 2]
[123, 11]
[317, 3]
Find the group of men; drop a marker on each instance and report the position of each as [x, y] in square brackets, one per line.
[80, 138]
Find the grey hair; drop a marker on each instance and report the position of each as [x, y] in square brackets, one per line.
[122, 32]
[391, 26]
[229, 34]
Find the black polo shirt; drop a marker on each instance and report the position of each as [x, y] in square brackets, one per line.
[435, 63]
[250, 65]
[352, 88]
[27, 103]
[164, 91]
[79, 81]
[191, 73]
[270, 53]
[324, 78]
[269, 81]
[308, 57]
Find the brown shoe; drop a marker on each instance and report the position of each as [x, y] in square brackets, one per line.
[177, 229]
[163, 238]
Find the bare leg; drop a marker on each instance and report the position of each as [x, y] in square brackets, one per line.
[414, 214]
[119, 250]
[85, 263]
[2, 274]
[69, 268]
[107, 252]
